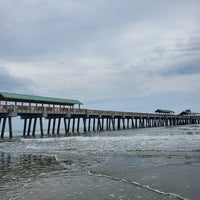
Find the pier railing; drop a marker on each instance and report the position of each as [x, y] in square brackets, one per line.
[20, 109]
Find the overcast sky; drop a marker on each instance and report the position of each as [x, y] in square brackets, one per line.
[131, 55]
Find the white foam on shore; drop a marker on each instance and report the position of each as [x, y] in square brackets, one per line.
[177, 196]
[115, 142]
[106, 144]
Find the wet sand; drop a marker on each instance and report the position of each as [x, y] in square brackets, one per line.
[156, 164]
[155, 177]
[177, 177]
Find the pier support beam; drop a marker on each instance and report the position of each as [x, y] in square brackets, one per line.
[118, 123]
[128, 123]
[10, 127]
[68, 126]
[123, 122]
[73, 125]
[132, 123]
[24, 130]
[102, 124]
[99, 128]
[65, 125]
[89, 122]
[58, 128]
[84, 125]
[34, 126]
[94, 124]
[29, 127]
[54, 125]
[78, 124]
[41, 127]
[49, 126]
[3, 127]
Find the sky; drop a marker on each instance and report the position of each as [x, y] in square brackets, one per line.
[127, 55]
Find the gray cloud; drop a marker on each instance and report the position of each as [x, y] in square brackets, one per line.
[42, 28]
[183, 69]
[182, 57]
[99, 49]
[11, 83]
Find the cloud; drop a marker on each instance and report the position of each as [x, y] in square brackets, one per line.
[11, 83]
[99, 51]
[42, 28]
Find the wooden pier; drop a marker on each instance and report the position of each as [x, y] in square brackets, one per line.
[34, 109]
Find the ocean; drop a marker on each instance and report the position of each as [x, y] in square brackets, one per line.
[160, 163]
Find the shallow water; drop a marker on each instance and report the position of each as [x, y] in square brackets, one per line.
[151, 163]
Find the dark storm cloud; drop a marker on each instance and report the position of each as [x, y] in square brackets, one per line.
[11, 83]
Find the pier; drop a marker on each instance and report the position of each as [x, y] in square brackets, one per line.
[67, 112]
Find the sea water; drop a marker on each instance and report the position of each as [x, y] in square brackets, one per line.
[151, 163]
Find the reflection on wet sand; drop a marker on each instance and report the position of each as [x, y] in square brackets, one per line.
[26, 165]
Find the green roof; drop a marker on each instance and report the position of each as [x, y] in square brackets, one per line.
[164, 111]
[188, 112]
[5, 96]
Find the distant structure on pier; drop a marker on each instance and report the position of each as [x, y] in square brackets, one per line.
[189, 112]
[162, 111]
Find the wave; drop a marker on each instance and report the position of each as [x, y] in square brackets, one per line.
[109, 145]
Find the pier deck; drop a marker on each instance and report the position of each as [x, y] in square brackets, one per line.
[88, 120]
